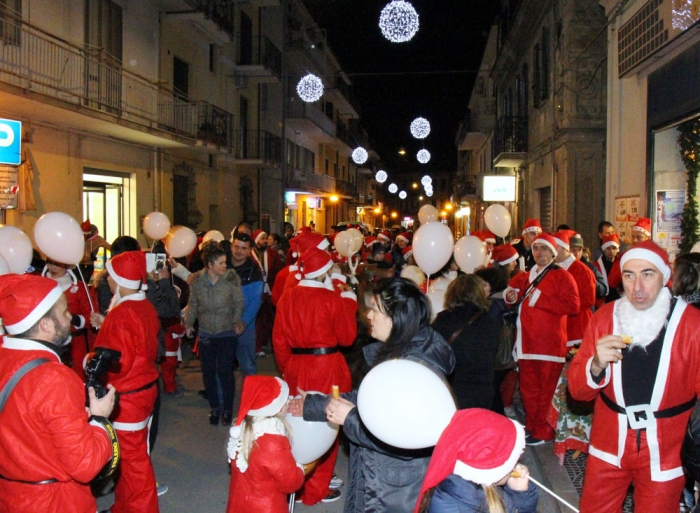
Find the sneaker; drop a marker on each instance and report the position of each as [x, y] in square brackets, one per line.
[226, 418]
[161, 489]
[214, 417]
[260, 354]
[333, 495]
[532, 441]
[336, 482]
[178, 392]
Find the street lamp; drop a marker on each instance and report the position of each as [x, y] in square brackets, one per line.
[334, 198]
[394, 215]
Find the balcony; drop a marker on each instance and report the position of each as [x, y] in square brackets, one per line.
[464, 188]
[261, 60]
[214, 126]
[307, 117]
[343, 96]
[49, 78]
[221, 12]
[257, 148]
[345, 189]
[510, 141]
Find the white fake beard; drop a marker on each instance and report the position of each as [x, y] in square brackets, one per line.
[643, 325]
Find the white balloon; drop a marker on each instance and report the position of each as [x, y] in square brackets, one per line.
[405, 404]
[357, 239]
[428, 214]
[4, 267]
[497, 219]
[310, 440]
[344, 244]
[413, 273]
[470, 253]
[156, 225]
[15, 249]
[432, 247]
[214, 235]
[60, 237]
[180, 241]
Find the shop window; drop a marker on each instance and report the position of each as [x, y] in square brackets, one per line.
[108, 201]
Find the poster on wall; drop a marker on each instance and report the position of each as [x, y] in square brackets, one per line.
[9, 186]
[667, 222]
[626, 215]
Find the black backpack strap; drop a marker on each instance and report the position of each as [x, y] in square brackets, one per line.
[10, 385]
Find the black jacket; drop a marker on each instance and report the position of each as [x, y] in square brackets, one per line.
[384, 478]
[475, 354]
[690, 451]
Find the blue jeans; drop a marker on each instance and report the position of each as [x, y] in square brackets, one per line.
[246, 351]
[217, 355]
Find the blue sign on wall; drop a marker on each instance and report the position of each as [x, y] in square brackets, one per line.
[10, 142]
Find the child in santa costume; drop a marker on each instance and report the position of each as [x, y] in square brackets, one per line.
[475, 467]
[263, 470]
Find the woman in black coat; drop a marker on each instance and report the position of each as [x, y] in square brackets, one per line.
[474, 335]
[385, 478]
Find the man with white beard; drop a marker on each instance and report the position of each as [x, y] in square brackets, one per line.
[640, 361]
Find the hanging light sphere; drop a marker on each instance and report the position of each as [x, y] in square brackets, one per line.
[310, 88]
[381, 176]
[429, 193]
[423, 156]
[359, 155]
[426, 180]
[403, 195]
[429, 190]
[420, 128]
[393, 188]
[398, 21]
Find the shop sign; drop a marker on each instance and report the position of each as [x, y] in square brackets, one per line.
[10, 142]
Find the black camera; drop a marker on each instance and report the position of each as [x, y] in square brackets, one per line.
[101, 359]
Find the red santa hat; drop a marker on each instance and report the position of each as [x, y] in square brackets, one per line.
[648, 250]
[370, 240]
[532, 225]
[263, 396]
[643, 225]
[24, 299]
[257, 235]
[562, 238]
[479, 446]
[489, 237]
[307, 241]
[610, 240]
[504, 254]
[86, 226]
[314, 262]
[407, 252]
[547, 240]
[128, 269]
[407, 237]
[384, 235]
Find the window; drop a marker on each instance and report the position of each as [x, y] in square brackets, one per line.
[212, 58]
[103, 27]
[264, 96]
[107, 201]
[541, 69]
[181, 78]
[10, 20]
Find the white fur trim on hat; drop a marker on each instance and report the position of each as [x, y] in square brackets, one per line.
[546, 243]
[606, 245]
[403, 238]
[276, 405]
[561, 243]
[121, 281]
[319, 272]
[493, 475]
[507, 260]
[532, 229]
[649, 256]
[637, 228]
[37, 312]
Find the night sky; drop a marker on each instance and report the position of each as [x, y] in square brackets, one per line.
[391, 80]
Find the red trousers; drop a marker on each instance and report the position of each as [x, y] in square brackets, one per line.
[538, 382]
[605, 485]
[168, 366]
[316, 486]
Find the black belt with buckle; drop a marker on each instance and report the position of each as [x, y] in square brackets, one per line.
[640, 414]
[315, 350]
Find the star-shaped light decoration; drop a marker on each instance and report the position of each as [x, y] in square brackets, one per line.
[403, 195]
[310, 88]
[393, 188]
[423, 156]
[359, 155]
[426, 180]
[398, 21]
[381, 176]
[420, 128]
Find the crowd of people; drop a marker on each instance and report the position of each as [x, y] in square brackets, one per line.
[538, 313]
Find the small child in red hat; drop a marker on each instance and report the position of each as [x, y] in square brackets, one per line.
[475, 467]
[263, 470]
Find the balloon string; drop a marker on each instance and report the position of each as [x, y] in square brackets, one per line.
[82, 278]
[550, 492]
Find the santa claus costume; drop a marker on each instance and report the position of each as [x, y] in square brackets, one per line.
[131, 327]
[270, 264]
[286, 278]
[263, 470]
[313, 320]
[168, 367]
[48, 450]
[585, 282]
[643, 401]
[540, 343]
[604, 265]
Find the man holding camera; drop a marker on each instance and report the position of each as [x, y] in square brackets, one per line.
[50, 447]
[131, 327]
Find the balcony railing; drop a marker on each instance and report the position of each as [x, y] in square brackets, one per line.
[510, 135]
[214, 125]
[37, 61]
[345, 188]
[298, 109]
[258, 145]
[348, 93]
[308, 179]
[220, 12]
[261, 53]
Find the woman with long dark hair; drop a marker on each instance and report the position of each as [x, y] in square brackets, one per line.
[385, 478]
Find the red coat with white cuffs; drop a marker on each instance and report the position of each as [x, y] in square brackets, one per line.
[677, 381]
[585, 281]
[542, 316]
